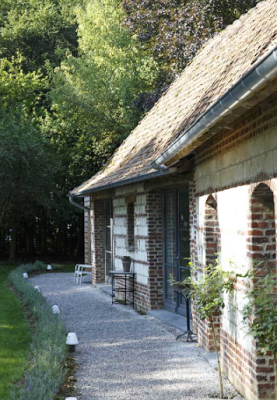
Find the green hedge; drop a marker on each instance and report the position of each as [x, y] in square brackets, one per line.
[48, 348]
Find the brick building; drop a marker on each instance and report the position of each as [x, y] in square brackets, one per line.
[198, 176]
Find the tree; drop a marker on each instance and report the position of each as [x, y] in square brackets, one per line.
[39, 30]
[81, 112]
[174, 30]
[24, 91]
[34, 38]
[27, 168]
[94, 95]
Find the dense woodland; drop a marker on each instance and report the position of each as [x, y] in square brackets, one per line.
[76, 76]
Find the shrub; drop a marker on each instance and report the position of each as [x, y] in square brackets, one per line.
[48, 348]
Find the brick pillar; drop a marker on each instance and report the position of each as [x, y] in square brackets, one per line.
[198, 325]
[155, 249]
[98, 242]
[262, 250]
[212, 249]
[87, 232]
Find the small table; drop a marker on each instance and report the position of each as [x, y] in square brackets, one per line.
[125, 277]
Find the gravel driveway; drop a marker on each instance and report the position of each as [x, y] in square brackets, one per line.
[124, 355]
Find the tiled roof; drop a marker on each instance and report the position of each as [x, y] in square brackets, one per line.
[216, 68]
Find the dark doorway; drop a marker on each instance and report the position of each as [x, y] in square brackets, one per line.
[176, 245]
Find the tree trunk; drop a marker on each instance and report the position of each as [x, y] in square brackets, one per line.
[80, 242]
[43, 237]
[58, 240]
[71, 249]
[29, 240]
[275, 373]
[64, 239]
[13, 244]
[2, 240]
[218, 362]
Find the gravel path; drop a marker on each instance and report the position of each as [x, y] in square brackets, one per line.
[124, 355]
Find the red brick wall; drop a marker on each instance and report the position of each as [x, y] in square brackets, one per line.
[204, 328]
[262, 249]
[155, 249]
[98, 251]
[239, 365]
[261, 236]
[212, 240]
[142, 299]
[87, 232]
[148, 296]
[252, 374]
[198, 325]
[211, 231]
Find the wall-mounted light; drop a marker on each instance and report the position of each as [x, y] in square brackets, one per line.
[25, 275]
[56, 309]
[72, 341]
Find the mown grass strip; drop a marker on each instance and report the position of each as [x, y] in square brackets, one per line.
[15, 336]
[48, 349]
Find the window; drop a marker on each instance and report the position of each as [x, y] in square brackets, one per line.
[131, 225]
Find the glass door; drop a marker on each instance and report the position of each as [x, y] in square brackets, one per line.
[170, 248]
[108, 239]
[183, 256]
[176, 245]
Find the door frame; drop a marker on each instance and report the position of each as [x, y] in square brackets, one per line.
[108, 202]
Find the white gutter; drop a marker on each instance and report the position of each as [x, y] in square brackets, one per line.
[249, 83]
[156, 174]
[78, 205]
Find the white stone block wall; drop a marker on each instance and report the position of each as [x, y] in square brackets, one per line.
[229, 167]
[240, 164]
[138, 254]
[233, 211]
[231, 174]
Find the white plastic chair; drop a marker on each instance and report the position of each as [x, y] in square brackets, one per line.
[79, 269]
[76, 273]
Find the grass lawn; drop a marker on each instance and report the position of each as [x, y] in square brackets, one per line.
[14, 336]
[64, 267]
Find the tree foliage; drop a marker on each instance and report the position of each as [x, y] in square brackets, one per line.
[19, 90]
[27, 168]
[94, 95]
[40, 31]
[70, 76]
[76, 76]
[174, 30]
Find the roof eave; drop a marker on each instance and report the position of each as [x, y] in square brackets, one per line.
[249, 84]
[137, 179]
